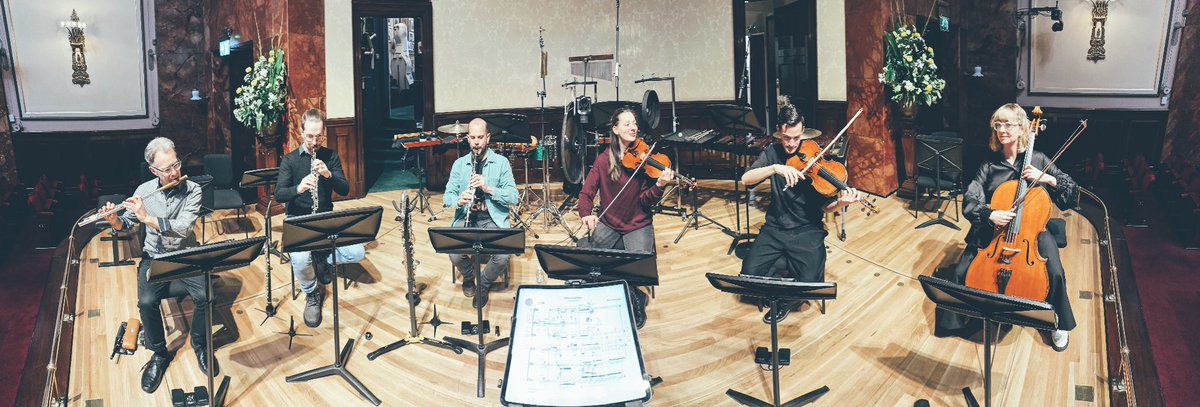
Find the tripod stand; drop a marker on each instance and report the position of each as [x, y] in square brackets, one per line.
[265, 177]
[946, 154]
[330, 230]
[413, 297]
[991, 308]
[206, 260]
[477, 241]
[777, 292]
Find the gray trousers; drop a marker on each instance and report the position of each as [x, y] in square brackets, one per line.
[604, 237]
[493, 264]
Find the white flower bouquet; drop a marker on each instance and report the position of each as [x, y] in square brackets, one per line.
[260, 102]
[908, 69]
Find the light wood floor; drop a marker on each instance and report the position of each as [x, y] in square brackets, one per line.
[873, 347]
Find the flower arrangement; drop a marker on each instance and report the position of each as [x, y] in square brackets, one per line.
[908, 70]
[260, 102]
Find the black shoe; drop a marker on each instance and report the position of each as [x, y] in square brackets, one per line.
[480, 300]
[202, 360]
[639, 308]
[468, 287]
[152, 373]
[312, 307]
[781, 313]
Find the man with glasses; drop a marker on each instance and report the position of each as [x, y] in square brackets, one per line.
[480, 190]
[313, 171]
[168, 217]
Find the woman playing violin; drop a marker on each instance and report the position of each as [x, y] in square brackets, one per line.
[1010, 138]
[792, 241]
[627, 197]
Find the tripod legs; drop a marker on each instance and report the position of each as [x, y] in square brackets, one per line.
[804, 399]
[481, 348]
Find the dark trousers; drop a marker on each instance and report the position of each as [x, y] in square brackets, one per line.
[604, 237]
[493, 264]
[151, 294]
[1057, 297]
[798, 254]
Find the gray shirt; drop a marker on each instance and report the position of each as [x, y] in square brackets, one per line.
[176, 210]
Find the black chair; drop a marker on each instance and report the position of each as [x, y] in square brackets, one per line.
[114, 235]
[220, 193]
[939, 173]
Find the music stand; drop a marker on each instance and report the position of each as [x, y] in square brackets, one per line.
[779, 292]
[990, 307]
[266, 177]
[946, 156]
[413, 296]
[507, 127]
[330, 230]
[206, 260]
[569, 263]
[477, 241]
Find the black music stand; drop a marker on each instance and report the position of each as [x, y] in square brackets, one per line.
[413, 296]
[507, 127]
[477, 241]
[779, 292]
[330, 230]
[990, 307]
[206, 260]
[946, 156]
[570, 263]
[266, 177]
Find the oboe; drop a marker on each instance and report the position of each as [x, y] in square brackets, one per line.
[100, 215]
[313, 172]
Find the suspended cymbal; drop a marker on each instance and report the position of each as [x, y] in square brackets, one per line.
[810, 133]
[455, 128]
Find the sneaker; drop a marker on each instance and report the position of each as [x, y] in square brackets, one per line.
[1059, 340]
[312, 307]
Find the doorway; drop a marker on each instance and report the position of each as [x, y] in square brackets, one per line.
[394, 87]
[794, 47]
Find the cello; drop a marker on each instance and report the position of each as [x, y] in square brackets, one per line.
[1011, 264]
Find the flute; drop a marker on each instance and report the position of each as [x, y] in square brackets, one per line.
[313, 171]
[100, 215]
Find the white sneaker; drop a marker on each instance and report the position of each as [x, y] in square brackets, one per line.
[1060, 340]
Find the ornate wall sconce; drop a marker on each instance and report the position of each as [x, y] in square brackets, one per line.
[74, 28]
[1099, 17]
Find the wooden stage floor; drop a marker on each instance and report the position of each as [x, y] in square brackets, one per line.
[874, 346]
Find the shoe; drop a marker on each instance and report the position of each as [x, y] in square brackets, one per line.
[639, 308]
[480, 300]
[202, 360]
[312, 307]
[324, 272]
[468, 287]
[152, 373]
[781, 313]
[1059, 340]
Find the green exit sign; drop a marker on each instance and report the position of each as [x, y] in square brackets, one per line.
[944, 23]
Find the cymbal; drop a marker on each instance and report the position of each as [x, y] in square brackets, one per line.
[810, 133]
[456, 128]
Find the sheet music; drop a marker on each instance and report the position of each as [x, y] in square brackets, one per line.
[573, 347]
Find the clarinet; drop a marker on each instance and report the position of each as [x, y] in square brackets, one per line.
[476, 168]
[313, 171]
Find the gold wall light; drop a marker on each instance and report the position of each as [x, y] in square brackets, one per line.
[74, 28]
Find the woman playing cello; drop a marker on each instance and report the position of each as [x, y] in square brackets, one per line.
[1010, 141]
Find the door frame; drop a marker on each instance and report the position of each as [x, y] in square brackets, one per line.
[422, 9]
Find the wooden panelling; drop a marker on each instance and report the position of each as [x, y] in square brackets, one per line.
[342, 137]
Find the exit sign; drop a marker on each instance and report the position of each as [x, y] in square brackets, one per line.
[944, 23]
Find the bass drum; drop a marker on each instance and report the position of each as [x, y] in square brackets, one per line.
[572, 149]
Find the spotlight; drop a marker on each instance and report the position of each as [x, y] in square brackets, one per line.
[1058, 26]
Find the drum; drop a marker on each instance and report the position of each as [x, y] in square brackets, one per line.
[536, 154]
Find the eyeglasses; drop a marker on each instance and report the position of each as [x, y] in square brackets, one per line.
[1001, 126]
[169, 168]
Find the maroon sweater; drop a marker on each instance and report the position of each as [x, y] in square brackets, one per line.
[631, 210]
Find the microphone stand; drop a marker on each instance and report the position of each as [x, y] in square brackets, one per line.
[617, 54]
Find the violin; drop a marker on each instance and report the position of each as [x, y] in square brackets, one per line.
[1011, 264]
[638, 151]
[827, 177]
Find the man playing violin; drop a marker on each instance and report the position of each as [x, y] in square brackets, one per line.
[168, 218]
[1010, 141]
[480, 189]
[626, 221]
[792, 241]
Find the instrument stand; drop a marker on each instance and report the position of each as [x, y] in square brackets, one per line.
[266, 177]
[779, 293]
[414, 297]
[991, 308]
[477, 241]
[206, 260]
[332, 230]
[422, 204]
[940, 150]
[291, 332]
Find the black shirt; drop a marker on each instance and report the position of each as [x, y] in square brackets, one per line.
[296, 165]
[995, 171]
[799, 206]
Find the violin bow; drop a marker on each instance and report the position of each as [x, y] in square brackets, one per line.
[834, 141]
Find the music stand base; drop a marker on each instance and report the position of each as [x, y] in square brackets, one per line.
[938, 221]
[339, 370]
[414, 340]
[218, 398]
[481, 350]
[804, 399]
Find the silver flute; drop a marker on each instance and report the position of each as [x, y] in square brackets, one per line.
[313, 172]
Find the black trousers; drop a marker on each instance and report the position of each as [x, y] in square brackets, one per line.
[151, 294]
[1057, 297]
[798, 254]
